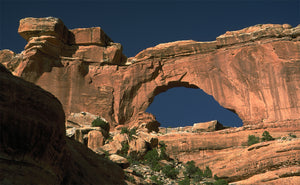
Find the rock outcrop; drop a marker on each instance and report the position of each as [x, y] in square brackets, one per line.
[33, 145]
[253, 72]
[227, 154]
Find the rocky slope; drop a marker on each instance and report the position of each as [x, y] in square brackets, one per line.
[227, 154]
[253, 72]
[33, 145]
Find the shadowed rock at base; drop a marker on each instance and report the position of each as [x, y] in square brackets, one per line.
[33, 145]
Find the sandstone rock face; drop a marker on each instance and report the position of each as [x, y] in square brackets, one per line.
[32, 128]
[95, 139]
[142, 144]
[228, 156]
[33, 146]
[82, 119]
[9, 59]
[115, 146]
[146, 121]
[253, 72]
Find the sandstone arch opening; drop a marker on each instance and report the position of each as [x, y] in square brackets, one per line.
[184, 106]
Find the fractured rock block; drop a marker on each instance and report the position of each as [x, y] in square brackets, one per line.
[88, 36]
[35, 27]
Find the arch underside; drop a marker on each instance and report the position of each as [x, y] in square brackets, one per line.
[257, 90]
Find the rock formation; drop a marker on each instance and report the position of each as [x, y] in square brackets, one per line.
[254, 72]
[33, 145]
[227, 154]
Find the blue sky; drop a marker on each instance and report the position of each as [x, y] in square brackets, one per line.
[138, 25]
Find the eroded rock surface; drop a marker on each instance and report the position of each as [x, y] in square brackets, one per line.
[227, 154]
[254, 72]
[33, 145]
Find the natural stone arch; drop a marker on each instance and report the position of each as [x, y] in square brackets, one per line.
[253, 71]
[166, 75]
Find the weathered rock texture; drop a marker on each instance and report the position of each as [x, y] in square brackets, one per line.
[254, 72]
[227, 154]
[33, 145]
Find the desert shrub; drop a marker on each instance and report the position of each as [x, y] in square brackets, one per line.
[133, 158]
[132, 131]
[124, 130]
[207, 172]
[106, 154]
[266, 136]
[190, 169]
[156, 167]
[170, 171]
[292, 135]
[154, 178]
[129, 133]
[220, 182]
[124, 149]
[198, 176]
[252, 140]
[151, 158]
[163, 154]
[193, 172]
[185, 181]
[216, 177]
[130, 178]
[98, 122]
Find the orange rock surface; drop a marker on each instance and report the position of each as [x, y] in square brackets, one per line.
[254, 72]
[227, 154]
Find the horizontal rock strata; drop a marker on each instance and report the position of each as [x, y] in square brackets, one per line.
[227, 154]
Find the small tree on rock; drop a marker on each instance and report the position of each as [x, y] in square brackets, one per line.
[207, 172]
[99, 122]
[266, 136]
[252, 140]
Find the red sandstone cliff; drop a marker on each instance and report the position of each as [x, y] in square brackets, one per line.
[33, 145]
[254, 72]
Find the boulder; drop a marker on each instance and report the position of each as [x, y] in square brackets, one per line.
[50, 26]
[149, 138]
[137, 148]
[121, 161]
[140, 146]
[95, 139]
[115, 146]
[146, 122]
[89, 36]
[207, 126]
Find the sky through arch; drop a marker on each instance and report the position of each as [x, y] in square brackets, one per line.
[181, 106]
